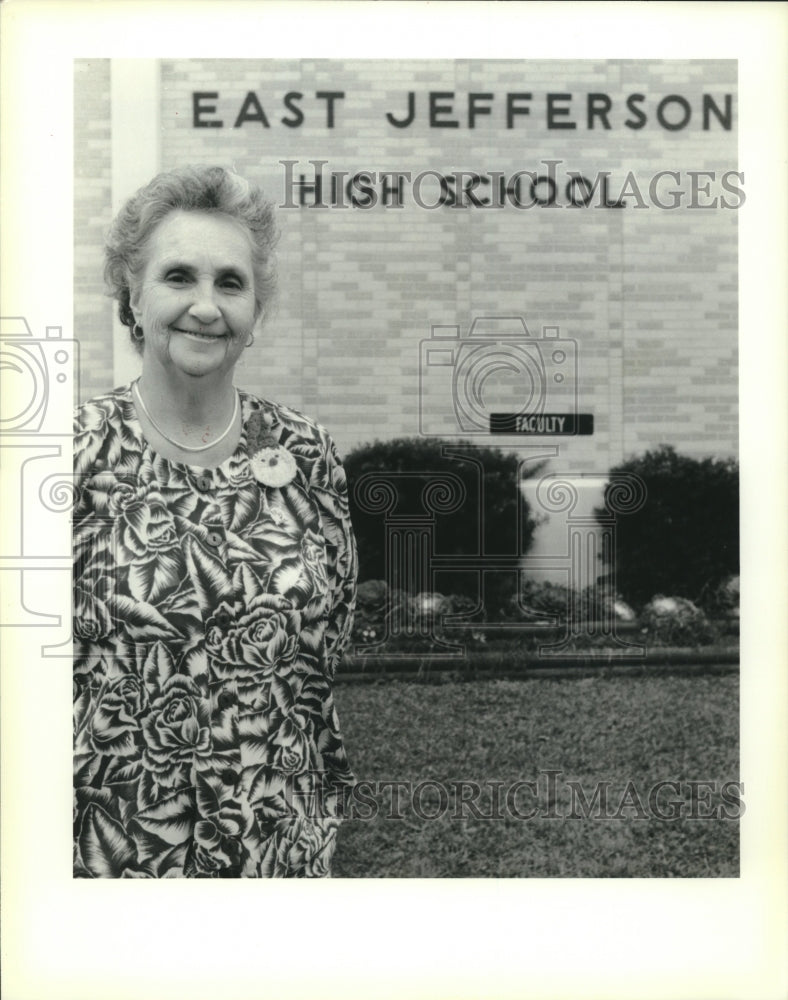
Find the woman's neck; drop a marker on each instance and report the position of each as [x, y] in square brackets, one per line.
[186, 400]
[183, 414]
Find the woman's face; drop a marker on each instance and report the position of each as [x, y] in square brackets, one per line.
[195, 302]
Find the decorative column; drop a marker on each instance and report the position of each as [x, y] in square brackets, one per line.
[409, 549]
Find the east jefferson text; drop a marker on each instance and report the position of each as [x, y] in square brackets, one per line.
[448, 109]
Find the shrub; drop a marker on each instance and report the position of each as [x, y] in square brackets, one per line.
[674, 621]
[388, 620]
[685, 537]
[722, 601]
[481, 510]
[372, 605]
[542, 601]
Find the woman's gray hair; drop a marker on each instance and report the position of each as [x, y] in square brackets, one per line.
[189, 189]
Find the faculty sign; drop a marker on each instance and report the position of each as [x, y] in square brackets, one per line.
[543, 424]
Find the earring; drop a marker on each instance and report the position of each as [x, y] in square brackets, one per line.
[250, 341]
[136, 332]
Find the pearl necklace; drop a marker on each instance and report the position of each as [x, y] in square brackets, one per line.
[186, 447]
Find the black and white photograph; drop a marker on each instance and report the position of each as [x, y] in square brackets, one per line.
[392, 462]
[524, 338]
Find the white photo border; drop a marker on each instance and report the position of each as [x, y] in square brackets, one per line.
[66, 938]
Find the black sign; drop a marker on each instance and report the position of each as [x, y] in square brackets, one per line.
[542, 424]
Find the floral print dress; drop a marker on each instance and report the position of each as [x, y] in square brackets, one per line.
[210, 611]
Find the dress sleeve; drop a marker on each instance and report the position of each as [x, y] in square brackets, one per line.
[91, 433]
[97, 436]
[332, 496]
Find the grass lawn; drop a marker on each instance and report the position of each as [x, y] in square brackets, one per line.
[492, 734]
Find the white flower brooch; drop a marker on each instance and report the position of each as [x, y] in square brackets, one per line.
[272, 465]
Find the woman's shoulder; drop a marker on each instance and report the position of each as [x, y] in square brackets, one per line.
[101, 430]
[103, 410]
[308, 442]
[290, 420]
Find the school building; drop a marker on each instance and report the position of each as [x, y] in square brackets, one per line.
[536, 255]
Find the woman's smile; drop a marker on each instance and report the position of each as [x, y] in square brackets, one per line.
[199, 334]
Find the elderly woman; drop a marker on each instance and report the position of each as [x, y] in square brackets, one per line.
[214, 569]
